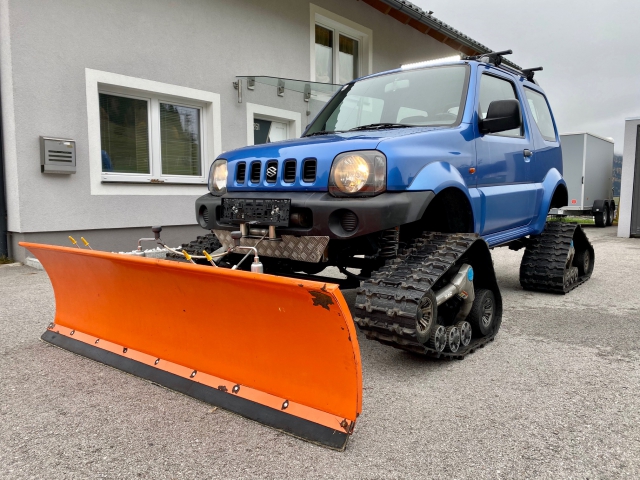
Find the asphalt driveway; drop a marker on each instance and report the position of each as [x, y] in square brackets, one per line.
[557, 395]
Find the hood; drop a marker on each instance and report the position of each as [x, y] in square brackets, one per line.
[322, 149]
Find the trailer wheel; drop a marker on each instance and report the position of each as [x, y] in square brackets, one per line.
[610, 214]
[601, 218]
[482, 312]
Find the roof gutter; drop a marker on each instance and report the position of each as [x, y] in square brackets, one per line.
[432, 23]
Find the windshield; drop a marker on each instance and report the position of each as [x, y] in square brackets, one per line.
[426, 97]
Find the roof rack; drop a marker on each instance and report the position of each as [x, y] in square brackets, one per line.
[495, 59]
[528, 72]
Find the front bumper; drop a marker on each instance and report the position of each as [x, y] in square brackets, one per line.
[325, 215]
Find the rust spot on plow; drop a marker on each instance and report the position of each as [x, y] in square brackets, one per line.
[321, 300]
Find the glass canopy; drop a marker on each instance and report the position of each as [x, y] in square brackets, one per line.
[301, 86]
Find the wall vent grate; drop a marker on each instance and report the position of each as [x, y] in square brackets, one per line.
[57, 155]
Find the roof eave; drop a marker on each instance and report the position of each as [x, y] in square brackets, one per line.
[412, 15]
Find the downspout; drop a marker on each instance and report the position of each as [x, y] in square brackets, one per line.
[4, 239]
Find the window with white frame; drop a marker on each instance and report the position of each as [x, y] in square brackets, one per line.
[268, 124]
[150, 138]
[340, 48]
[143, 133]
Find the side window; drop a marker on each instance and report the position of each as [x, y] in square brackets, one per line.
[541, 114]
[494, 88]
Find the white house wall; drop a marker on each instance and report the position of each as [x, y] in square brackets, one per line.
[202, 45]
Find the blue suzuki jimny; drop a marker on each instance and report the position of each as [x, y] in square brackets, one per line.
[405, 179]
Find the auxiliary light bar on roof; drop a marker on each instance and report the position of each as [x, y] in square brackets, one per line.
[409, 66]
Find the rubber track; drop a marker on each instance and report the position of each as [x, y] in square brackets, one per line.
[544, 261]
[208, 242]
[388, 302]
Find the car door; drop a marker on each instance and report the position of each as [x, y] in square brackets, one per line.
[503, 159]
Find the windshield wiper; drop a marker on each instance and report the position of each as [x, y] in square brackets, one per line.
[323, 132]
[371, 126]
[375, 126]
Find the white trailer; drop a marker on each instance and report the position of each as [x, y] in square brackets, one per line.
[588, 170]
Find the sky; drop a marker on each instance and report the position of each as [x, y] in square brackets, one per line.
[590, 52]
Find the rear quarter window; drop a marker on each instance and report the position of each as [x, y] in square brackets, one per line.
[541, 114]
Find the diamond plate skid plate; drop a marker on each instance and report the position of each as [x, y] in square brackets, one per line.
[304, 249]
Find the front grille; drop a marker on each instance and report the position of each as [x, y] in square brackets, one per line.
[255, 172]
[289, 171]
[309, 170]
[349, 221]
[241, 171]
[272, 171]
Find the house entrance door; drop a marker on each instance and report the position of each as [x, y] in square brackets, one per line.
[268, 131]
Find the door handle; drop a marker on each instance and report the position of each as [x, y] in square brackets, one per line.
[527, 152]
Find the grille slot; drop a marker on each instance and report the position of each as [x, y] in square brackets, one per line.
[255, 172]
[205, 215]
[241, 172]
[289, 171]
[309, 170]
[349, 221]
[272, 171]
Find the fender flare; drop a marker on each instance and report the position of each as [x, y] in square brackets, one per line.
[598, 205]
[438, 176]
[550, 184]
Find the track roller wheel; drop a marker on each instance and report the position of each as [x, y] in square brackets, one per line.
[427, 315]
[439, 338]
[582, 260]
[465, 333]
[482, 312]
[453, 338]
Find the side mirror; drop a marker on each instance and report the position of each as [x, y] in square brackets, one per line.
[502, 115]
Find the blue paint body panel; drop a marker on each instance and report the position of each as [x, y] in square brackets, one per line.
[508, 191]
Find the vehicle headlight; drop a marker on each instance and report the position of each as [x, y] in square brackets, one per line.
[361, 174]
[218, 177]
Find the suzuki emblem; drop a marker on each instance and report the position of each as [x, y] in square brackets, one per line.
[271, 172]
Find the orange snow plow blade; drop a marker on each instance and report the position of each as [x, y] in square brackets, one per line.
[280, 351]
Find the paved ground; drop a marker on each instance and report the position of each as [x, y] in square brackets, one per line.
[557, 395]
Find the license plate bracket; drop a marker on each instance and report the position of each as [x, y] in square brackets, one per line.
[259, 211]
